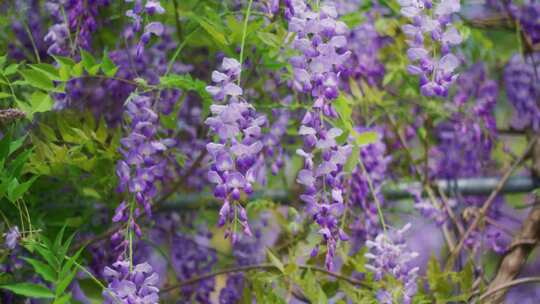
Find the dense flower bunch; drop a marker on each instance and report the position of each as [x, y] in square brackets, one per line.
[466, 139]
[131, 286]
[238, 129]
[388, 255]
[375, 161]
[465, 146]
[28, 30]
[273, 150]
[435, 21]
[76, 21]
[142, 166]
[365, 42]
[193, 256]
[150, 7]
[322, 41]
[527, 14]
[523, 90]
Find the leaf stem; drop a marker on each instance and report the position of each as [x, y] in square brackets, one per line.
[244, 34]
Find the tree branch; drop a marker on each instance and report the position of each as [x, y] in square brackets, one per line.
[521, 247]
[515, 258]
[262, 266]
[487, 204]
[505, 286]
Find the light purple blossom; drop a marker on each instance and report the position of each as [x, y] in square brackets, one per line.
[235, 153]
[523, 90]
[322, 41]
[131, 287]
[389, 255]
[436, 74]
[12, 237]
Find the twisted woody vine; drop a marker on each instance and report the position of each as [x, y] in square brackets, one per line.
[269, 151]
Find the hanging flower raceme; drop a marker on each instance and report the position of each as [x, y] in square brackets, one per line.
[528, 15]
[142, 166]
[431, 33]
[150, 7]
[75, 18]
[365, 43]
[321, 40]
[388, 255]
[237, 128]
[131, 286]
[522, 83]
[12, 237]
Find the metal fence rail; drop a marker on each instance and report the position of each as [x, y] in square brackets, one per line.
[392, 191]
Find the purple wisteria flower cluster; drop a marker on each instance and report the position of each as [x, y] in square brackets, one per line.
[522, 83]
[431, 33]
[527, 13]
[136, 286]
[466, 142]
[237, 127]
[149, 7]
[467, 138]
[191, 254]
[365, 43]
[389, 255]
[142, 166]
[29, 31]
[76, 20]
[12, 238]
[322, 41]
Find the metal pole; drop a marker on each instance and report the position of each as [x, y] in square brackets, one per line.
[463, 186]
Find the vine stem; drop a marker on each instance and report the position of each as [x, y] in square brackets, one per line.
[508, 285]
[263, 266]
[374, 194]
[244, 34]
[489, 201]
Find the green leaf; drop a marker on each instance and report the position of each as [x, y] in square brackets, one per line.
[11, 69]
[2, 60]
[15, 167]
[64, 283]
[211, 29]
[17, 192]
[63, 299]
[89, 63]
[107, 66]
[186, 82]
[48, 256]
[66, 64]
[77, 70]
[38, 79]
[41, 102]
[366, 138]
[275, 261]
[48, 69]
[44, 270]
[30, 290]
[4, 95]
